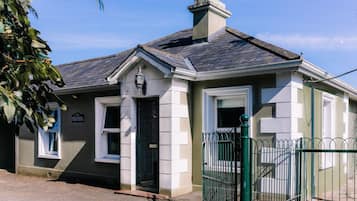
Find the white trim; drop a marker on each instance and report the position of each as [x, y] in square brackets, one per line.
[135, 58]
[208, 94]
[209, 123]
[326, 140]
[316, 72]
[101, 145]
[249, 70]
[42, 137]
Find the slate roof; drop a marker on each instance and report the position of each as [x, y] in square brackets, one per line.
[228, 49]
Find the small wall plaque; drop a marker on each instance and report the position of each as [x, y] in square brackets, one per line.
[77, 118]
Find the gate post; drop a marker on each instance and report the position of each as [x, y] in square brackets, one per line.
[245, 179]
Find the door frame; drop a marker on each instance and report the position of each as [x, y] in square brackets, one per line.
[156, 189]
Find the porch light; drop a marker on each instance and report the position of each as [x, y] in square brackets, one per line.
[139, 79]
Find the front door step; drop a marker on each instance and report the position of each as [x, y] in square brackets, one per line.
[143, 194]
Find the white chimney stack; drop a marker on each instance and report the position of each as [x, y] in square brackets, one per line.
[209, 17]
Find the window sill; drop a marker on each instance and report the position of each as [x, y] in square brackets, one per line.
[49, 156]
[108, 159]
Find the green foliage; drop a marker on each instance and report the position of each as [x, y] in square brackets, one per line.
[26, 74]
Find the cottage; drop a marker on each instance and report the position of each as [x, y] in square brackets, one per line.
[135, 119]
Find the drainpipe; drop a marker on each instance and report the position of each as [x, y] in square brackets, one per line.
[312, 140]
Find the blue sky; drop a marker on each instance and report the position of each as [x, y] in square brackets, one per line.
[325, 31]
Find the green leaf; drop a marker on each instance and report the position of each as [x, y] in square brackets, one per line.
[37, 44]
[9, 111]
[2, 27]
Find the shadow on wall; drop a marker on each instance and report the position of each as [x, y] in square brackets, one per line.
[77, 163]
[78, 146]
[7, 148]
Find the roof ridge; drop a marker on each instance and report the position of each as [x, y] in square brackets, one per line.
[162, 51]
[167, 36]
[284, 53]
[91, 59]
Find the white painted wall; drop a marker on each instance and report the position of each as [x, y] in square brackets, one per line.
[175, 167]
[285, 127]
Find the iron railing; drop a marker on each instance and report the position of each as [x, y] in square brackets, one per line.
[238, 167]
[221, 166]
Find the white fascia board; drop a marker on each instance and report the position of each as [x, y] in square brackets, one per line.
[134, 59]
[164, 68]
[314, 71]
[249, 70]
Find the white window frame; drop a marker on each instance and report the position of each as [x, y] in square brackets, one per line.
[327, 141]
[101, 138]
[209, 117]
[43, 138]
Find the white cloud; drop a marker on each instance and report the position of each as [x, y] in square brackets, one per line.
[313, 42]
[80, 41]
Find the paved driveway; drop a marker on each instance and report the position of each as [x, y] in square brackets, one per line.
[25, 188]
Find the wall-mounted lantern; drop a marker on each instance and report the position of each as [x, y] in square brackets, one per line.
[140, 79]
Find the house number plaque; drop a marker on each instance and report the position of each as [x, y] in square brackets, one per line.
[77, 118]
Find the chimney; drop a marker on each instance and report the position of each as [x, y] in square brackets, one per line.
[209, 17]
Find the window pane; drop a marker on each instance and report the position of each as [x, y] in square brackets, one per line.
[55, 125]
[52, 142]
[112, 117]
[229, 117]
[226, 147]
[231, 102]
[113, 143]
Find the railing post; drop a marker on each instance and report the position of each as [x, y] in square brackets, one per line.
[245, 184]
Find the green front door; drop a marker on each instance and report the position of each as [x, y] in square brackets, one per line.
[147, 145]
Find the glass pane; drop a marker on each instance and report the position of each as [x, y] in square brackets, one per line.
[113, 143]
[231, 102]
[52, 142]
[228, 117]
[112, 117]
[55, 115]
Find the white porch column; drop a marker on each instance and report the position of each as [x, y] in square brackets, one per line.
[175, 141]
[128, 143]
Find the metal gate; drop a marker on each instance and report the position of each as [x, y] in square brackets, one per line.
[236, 167]
[328, 169]
[223, 155]
[220, 168]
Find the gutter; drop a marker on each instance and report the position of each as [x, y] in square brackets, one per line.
[85, 89]
[191, 75]
[298, 65]
[314, 71]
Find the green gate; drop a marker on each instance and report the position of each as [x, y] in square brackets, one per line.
[236, 167]
[328, 169]
[223, 155]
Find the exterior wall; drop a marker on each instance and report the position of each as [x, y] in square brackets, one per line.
[175, 145]
[341, 108]
[324, 177]
[260, 111]
[353, 119]
[284, 125]
[78, 147]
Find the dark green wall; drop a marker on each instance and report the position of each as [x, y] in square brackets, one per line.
[78, 147]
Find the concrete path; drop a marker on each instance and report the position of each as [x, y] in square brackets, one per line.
[24, 188]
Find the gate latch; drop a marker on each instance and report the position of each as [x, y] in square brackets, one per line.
[153, 146]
